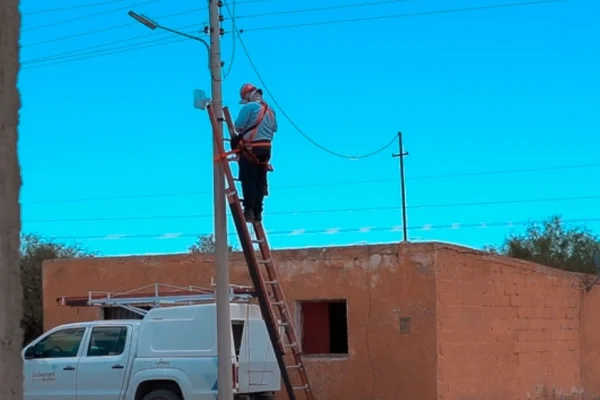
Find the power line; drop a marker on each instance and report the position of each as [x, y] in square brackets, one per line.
[415, 14]
[290, 120]
[112, 10]
[318, 9]
[327, 211]
[120, 50]
[328, 184]
[113, 27]
[108, 28]
[230, 64]
[69, 8]
[142, 46]
[331, 231]
[83, 51]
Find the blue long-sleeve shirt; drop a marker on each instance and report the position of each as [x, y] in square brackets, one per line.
[248, 117]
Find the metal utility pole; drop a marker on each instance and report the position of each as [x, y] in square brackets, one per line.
[401, 155]
[225, 391]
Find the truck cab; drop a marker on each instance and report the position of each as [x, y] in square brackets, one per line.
[171, 354]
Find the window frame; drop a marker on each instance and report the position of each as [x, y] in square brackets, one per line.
[122, 328]
[300, 320]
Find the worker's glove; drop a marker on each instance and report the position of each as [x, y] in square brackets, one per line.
[235, 141]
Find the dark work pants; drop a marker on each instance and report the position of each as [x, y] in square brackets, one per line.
[254, 179]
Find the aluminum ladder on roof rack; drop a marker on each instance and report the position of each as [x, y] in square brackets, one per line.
[132, 300]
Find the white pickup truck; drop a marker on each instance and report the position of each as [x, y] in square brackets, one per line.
[171, 354]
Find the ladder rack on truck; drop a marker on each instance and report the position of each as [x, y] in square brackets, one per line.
[267, 288]
[161, 294]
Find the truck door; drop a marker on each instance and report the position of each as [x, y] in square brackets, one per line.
[258, 371]
[104, 363]
[50, 365]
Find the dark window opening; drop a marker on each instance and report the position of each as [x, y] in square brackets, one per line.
[237, 328]
[324, 327]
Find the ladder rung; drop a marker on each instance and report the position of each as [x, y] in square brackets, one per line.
[297, 366]
[290, 345]
[267, 261]
[277, 303]
[283, 324]
[270, 282]
[303, 387]
[258, 241]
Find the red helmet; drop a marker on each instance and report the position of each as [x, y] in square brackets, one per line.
[247, 91]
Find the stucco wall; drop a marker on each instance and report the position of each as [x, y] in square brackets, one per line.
[381, 284]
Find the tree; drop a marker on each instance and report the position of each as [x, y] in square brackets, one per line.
[553, 244]
[11, 308]
[34, 251]
[205, 244]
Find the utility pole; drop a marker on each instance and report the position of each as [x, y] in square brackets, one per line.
[401, 154]
[225, 389]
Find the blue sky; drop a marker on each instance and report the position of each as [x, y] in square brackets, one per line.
[512, 88]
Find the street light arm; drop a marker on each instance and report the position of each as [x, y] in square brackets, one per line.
[199, 39]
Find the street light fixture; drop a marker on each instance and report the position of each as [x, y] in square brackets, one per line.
[142, 19]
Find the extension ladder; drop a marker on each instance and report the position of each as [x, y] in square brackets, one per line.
[268, 289]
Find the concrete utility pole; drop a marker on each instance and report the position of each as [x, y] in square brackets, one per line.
[401, 155]
[221, 251]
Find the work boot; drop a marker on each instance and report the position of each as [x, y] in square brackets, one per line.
[249, 215]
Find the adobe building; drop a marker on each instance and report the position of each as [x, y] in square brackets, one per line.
[424, 321]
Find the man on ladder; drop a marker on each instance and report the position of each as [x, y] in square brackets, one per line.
[255, 126]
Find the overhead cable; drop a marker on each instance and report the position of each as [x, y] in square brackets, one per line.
[327, 184]
[330, 231]
[326, 211]
[101, 53]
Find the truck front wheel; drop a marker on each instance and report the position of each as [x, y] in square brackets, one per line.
[162, 394]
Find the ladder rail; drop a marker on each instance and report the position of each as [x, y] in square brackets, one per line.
[277, 291]
[248, 251]
[284, 310]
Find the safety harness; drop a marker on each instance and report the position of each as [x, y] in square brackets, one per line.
[245, 146]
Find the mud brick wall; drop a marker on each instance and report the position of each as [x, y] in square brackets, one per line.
[426, 321]
[508, 329]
